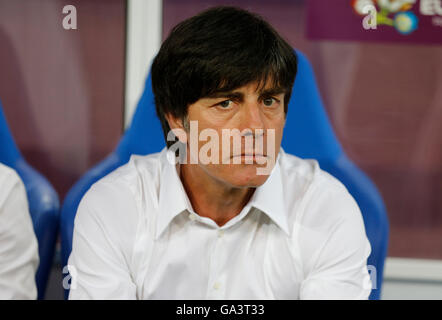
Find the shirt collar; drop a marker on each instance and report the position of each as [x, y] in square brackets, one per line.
[173, 200]
[269, 197]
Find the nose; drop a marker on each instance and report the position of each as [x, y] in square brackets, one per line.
[252, 119]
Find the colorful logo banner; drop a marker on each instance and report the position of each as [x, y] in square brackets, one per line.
[408, 21]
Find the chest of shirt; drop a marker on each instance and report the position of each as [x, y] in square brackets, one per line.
[253, 259]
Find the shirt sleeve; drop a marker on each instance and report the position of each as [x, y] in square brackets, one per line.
[18, 245]
[338, 249]
[99, 261]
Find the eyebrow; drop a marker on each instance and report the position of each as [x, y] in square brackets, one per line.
[272, 91]
[238, 95]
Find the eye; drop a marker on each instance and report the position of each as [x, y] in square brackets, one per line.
[225, 104]
[269, 101]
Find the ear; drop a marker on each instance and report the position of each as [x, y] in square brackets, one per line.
[177, 127]
[174, 123]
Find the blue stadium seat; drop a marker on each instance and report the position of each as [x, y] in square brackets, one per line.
[308, 134]
[44, 205]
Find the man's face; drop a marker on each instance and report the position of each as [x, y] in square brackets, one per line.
[248, 122]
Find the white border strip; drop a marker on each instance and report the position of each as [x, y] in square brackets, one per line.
[143, 35]
[413, 270]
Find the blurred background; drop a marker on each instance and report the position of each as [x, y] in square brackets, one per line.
[69, 94]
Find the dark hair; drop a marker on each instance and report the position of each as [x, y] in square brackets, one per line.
[220, 49]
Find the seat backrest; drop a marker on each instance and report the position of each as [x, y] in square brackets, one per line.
[307, 134]
[43, 202]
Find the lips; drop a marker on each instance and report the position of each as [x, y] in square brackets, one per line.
[249, 155]
[251, 158]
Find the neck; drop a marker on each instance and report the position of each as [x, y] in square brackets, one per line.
[212, 198]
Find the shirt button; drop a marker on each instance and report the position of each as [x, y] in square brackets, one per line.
[216, 285]
[220, 233]
[192, 216]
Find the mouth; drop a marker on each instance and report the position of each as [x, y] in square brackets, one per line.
[249, 154]
[252, 157]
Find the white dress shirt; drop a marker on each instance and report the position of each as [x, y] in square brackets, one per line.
[136, 236]
[18, 244]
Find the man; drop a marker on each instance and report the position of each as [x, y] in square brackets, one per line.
[18, 244]
[236, 217]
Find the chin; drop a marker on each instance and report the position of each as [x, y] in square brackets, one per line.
[246, 176]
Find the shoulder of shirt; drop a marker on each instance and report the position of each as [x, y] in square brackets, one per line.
[130, 180]
[8, 175]
[306, 186]
[307, 174]
[116, 201]
[8, 179]
[139, 168]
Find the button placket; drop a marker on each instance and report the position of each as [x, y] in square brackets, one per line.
[216, 284]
